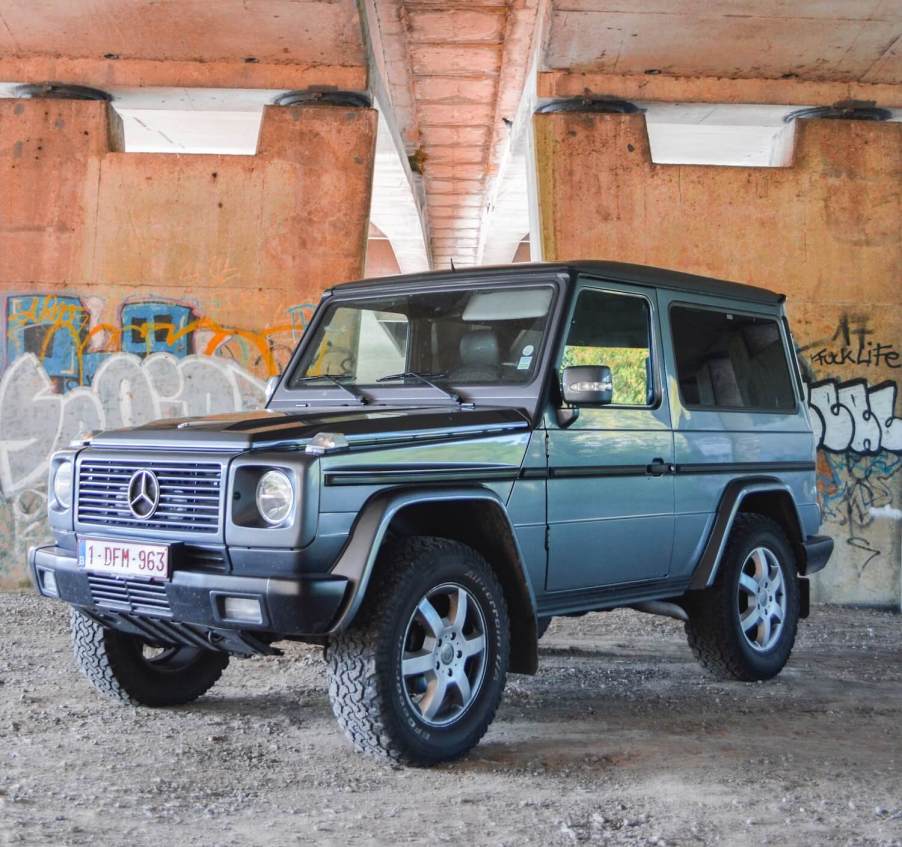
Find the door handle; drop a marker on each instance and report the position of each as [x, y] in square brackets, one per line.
[658, 467]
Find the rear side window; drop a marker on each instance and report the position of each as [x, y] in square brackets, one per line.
[730, 361]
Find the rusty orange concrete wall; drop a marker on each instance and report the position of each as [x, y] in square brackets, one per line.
[140, 285]
[827, 231]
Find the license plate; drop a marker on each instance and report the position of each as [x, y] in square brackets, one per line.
[124, 558]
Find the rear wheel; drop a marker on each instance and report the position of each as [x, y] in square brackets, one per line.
[744, 626]
[419, 674]
[128, 669]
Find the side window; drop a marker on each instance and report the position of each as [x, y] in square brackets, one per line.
[613, 329]
[729, 361]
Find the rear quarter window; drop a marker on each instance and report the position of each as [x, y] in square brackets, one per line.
[733, 361]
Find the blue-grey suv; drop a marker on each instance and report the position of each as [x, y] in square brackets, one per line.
[448, 461]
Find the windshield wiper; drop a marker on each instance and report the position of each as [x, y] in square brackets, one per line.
[356, 395]
[425, 380]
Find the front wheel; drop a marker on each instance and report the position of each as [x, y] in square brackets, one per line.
[418, 676]
[126, 668]
[744, 626]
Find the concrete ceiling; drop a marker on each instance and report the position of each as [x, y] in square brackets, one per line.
[454, 73]
[214, 43]
[836, 40]
[457, 81]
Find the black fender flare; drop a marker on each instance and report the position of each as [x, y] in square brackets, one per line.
[730, 502]
[357, 560]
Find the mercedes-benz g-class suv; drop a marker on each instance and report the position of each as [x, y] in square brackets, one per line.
[448, 461]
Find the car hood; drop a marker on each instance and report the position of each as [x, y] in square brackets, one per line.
[269, 428]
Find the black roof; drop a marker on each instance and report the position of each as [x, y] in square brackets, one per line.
[613, 271]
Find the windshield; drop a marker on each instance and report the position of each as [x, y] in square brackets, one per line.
[472, 337]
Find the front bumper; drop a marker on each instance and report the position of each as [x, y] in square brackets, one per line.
[191, 606]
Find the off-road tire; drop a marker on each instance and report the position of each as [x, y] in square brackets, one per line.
[542, 625]
[713, 628]
[113, 663]
[365, 683]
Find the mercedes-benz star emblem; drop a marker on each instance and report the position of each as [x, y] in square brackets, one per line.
[143, 494]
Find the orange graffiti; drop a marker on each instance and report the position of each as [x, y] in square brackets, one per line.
[56, 315]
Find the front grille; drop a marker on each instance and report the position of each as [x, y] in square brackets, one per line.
[129, 595]
[190, 495]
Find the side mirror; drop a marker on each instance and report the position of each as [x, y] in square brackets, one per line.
[271, 385]
[588, 385]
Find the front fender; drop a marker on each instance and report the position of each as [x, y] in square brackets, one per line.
[358, 558]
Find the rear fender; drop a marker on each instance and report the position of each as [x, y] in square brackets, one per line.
[773, 498]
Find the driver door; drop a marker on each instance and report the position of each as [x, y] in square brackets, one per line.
[610, 485]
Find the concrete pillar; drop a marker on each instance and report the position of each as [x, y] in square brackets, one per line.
[827, 231]
[137, 286]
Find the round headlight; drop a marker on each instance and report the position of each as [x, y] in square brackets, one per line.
[62, 484]
[275, 497]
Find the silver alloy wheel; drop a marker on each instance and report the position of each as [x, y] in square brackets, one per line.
[443, 655]
[761, 599]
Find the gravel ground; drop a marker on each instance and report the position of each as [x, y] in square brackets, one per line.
[620, 739]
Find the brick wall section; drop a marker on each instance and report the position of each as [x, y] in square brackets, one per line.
[827, 231]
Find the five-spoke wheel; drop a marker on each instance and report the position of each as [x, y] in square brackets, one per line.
[761, 605]
[443, 655]
[419, 674]
[743, 627]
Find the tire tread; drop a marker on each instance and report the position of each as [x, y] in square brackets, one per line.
[710, 628]
[101, 657]
[356, 668]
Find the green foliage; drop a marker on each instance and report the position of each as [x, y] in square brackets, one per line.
[627, 366]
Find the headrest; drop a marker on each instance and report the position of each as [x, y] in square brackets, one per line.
[479, 347]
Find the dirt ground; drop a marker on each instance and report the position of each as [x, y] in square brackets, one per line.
[620, 739]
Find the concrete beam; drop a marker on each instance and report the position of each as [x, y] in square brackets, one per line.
[275, 44]
[554, 84]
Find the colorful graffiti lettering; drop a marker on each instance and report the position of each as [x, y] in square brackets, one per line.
[855, 489]
[67, 372]
[59, 330]
[860, 450]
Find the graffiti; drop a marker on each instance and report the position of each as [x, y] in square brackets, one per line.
[860, 450]
[852, 344]
[155, 327]
[35, 420]
[854, 491]
[61, 331]
[52, 328]
[64, 371]
[854, 416]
